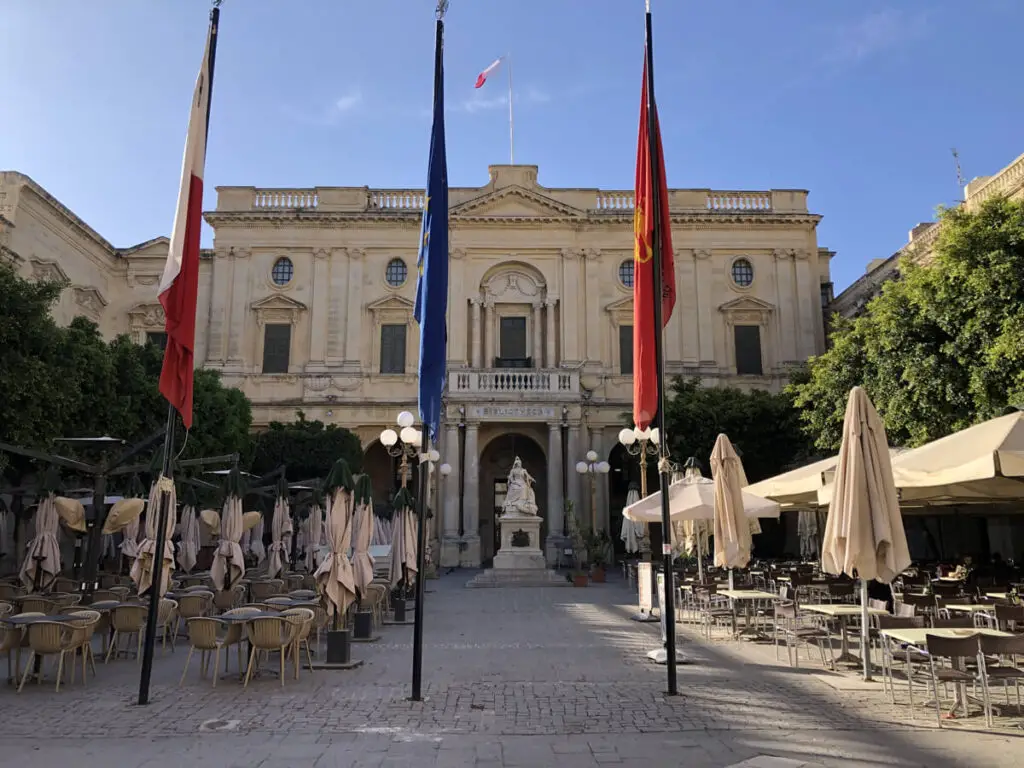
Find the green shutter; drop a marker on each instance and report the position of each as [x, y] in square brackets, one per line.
[626, 350]
[392, 348]
[513, 338]
[277, 343]
[748, 350]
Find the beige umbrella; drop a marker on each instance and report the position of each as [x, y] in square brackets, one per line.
[42, 559]
[314, 535]
[71, 513]
[280, 553]
[362, 563]
[864, 532]
[130, 542]
[228, 561]
[335, 577]
[122, 514]
[145, 563]
[403, 540]
[732, 531]
[188, 552]
[632, 531]
[256, 548]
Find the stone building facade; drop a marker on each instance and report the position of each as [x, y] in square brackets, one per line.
[305, 302]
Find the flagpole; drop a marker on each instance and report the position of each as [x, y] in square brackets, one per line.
[167, 471]
[668, 604]
[511, 122]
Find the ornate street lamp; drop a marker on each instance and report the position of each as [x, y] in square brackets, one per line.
[642, 443]
[593, 467]
[404, 443]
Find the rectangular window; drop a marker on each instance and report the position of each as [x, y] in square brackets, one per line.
[826, 294]
[748, 350]
[626, 350]
[277, 347]
[392, 348]
[512, 342]
[159, 338]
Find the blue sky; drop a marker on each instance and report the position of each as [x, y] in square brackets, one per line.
[858, 101]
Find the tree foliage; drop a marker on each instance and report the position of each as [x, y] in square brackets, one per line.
[942, 346]
[308, 449]
[765, 427]
[70, 382]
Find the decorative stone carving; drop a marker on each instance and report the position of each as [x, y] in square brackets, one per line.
[781, 254]
[356, 254]
[591, 254]
[702, 253]
[240, 253]
[48, 271]
[277, 309]
[321, 253]
[458, 253]
[801, 255]
[514, 285]
[90, 300]
[147, 316]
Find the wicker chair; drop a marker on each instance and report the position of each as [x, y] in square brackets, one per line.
[307, 617]
[127, 620]
[270, 633]
[167, 619]
[38, 604]
[261, 590]
[192, 606]
[85, 624]
[202, 634]
[47, 638]
[229, 598]
[236, 634]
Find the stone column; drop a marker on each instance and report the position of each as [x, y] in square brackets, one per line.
[491, 325]
[686, 306]
[705, 310]
[601, 518]
[319, 312]
[574, 454]
[458, 328]
[808, 302]
[354, 321]
[452, 485]
[477, 336]
[536, 352]
[336, 315]
[219, 308]
[592, 299]
[674, 329]
[555, 511]
[549, 351]
[570, 301]
[239, 302]
[784, 287]
[471, 499]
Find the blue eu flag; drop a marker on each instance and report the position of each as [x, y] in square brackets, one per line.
[432, 282]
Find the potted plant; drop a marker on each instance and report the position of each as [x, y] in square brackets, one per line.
[578, 575]
[597, 548]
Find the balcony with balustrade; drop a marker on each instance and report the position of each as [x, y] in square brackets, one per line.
[513, 384]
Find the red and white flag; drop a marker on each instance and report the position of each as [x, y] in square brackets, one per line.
[179, 285]
[492, 69]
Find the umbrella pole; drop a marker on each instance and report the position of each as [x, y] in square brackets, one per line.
[865, 630]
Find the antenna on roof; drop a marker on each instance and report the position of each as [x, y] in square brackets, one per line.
[960, 181]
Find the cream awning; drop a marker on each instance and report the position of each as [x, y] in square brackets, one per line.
[799, 487]
[694, 499]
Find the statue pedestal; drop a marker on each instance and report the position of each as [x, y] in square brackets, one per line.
[520, 543]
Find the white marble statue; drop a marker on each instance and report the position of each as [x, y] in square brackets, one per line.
[519, 498]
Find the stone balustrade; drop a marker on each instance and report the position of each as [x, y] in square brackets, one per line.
[508, 382]
[397, 199]
[713, 200]
[284, 199]
[1007, 182]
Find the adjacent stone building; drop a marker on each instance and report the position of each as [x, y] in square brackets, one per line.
[306, 302]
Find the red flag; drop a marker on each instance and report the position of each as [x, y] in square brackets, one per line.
[179, 285]
[646, 369]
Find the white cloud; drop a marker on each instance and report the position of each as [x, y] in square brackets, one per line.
[874, 33]
[347, 103]
[331, 114]
[479, 103]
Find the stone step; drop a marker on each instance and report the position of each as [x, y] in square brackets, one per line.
[504, 577]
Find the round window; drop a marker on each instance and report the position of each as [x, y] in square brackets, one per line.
[283, 271]
[626, 273]
[396, 273]
[743, 273]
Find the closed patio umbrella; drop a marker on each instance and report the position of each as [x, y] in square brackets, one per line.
[403, 540]
[362, 563]
[256, 547]
[314, 535]
[732, 530]
[144, 567]
[632, 531]
[42, 558]
[188, 548]
[280, 528]
[335, 577]
[864, 533]
[228, 560]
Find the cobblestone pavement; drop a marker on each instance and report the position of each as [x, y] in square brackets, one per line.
[512, 677]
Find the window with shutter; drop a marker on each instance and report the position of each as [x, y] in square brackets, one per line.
[626, 350]
[392, 348]
[513, 338]
[277, 343]
[159, 338]
[748, 350]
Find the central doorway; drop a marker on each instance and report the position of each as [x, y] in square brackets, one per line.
[495, 463]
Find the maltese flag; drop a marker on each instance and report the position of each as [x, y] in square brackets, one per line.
[482, 77]
[179, 285]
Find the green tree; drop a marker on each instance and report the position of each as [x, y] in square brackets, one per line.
[764, 426]
[942, 346]
[308, 449]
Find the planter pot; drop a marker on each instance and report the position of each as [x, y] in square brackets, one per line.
[580, 580]
[597, 574]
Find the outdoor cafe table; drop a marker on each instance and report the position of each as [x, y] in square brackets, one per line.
[843, 612]
[748, 597]
[919, 637]
[973, 608]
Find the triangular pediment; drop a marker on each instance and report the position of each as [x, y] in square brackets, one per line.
[391, 303]
[278, 301]
[515, 202]
[157, 247]
[622, 305]
[746, 304]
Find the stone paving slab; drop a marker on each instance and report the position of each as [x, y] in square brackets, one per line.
[513, 677]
